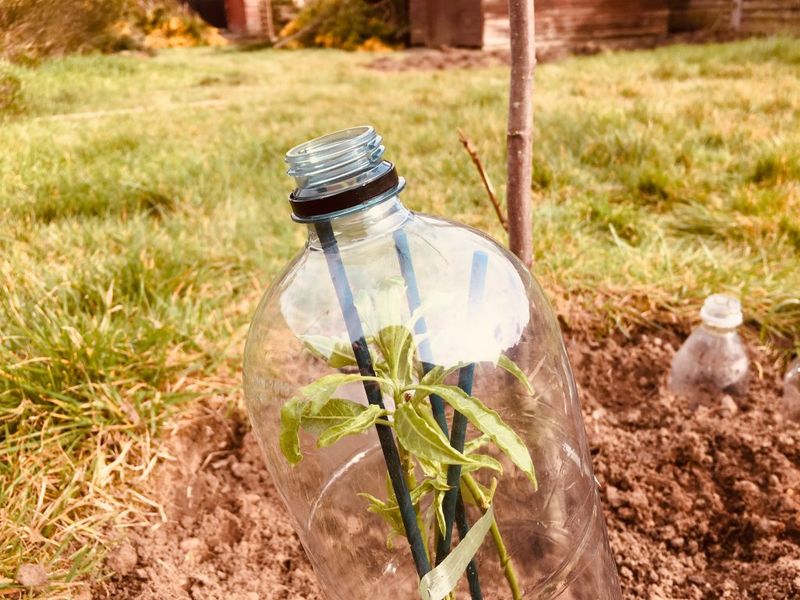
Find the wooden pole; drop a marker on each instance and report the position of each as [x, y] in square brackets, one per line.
[736, 16]
[520, 129]
[270, 22]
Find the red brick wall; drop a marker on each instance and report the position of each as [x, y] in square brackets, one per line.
[237, 19]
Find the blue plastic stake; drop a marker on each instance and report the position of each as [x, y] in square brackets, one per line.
[477, 284]
[420, 327]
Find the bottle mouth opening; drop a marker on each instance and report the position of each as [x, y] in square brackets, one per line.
[338, 172]
[334, 151]
[722, 311]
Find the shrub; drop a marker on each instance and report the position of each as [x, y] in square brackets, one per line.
[34, 28]
[348, 24]
[168, 25]
[31, 29]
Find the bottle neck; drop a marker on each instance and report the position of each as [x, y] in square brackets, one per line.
[371, 222]
[720, 331]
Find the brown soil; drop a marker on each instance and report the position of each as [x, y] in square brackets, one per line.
[226, 534]
[700, 503]
[433, 59]
[437, 59]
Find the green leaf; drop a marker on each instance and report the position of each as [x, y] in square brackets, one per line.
[319, 392]
[509, 365]
[337, 353]
[334, 420]
[426, 412]
[388, 512]
[438, 506]
[351, 425]
[424, 440]
[490, 423]
[334, 412]
[396, 343]
[476, 444]
[383, 306]
[482, 461]
[383, 372]
[390, 301]
[431, 468]
[289, 437]
[428, 485]
[435, 376]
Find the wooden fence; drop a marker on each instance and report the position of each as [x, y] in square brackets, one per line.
[484, 23]
[574, 24]
[745, 16]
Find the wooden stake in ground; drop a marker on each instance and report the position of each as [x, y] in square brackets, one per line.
[520, 129]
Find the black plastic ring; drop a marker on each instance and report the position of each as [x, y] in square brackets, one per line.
[323, 205]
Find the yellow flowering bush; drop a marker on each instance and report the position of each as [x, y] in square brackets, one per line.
[365, 25]
[167, 26]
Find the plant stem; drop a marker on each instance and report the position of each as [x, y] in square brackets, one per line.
[408, 467]
[502, 553]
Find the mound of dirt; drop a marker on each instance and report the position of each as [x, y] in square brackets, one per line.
[226, 535]
[700, 503]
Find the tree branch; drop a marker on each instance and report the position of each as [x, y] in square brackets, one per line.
[299, 33]
[473, 154]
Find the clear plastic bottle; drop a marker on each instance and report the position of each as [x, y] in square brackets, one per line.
[378, 298]
[713, 360]
[790, 403]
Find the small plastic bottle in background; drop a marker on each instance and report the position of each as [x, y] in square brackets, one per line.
[713, 360]
[790, 403]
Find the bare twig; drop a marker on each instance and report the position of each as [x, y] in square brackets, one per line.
[520, 129]
[473, 154]
[299, 33]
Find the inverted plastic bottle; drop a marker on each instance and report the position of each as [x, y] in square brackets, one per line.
[790, 403]
[713, 359]
[371, 274]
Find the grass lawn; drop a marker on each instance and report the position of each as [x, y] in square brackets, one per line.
[136, 241]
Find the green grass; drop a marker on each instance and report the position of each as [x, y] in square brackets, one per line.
[134, 245]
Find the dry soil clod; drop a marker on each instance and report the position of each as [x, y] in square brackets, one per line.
[123, 559]
[31, 575]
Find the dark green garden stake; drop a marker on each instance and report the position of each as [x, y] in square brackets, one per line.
[373, 391]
